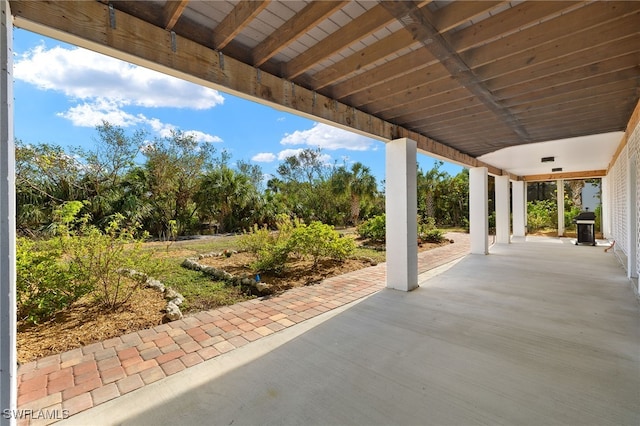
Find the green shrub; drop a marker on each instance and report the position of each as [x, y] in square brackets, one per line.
[318, 240]
[44, 283]
[101, 259]
[540, 214]
[271, 249]
[427, 231]
[373, 229]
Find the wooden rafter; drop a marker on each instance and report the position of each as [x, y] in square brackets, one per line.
[391, 70]
[292, 29]
[234, 22]
[172, 12]
[430, 37]
[357, 29]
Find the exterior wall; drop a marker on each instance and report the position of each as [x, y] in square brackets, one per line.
[624, 217]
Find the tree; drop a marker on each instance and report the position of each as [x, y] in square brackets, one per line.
[357, 184]
[428, 185]
[228, 197]
[46, 177]
[173, 168]
[105, 167]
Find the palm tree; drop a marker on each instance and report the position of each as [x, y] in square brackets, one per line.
[358, 183]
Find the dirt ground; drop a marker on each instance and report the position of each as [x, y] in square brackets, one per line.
[85, 323]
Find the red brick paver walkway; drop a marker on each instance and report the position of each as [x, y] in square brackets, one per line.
[65, 384]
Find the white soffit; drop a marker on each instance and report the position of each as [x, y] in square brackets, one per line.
[584, 153]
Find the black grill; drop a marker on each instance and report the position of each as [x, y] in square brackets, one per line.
[586, 227]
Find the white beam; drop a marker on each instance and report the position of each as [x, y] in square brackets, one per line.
[519, 208]
[560, 201]
[479, 210]
[503, 231]
[8, 358]
[401, 211]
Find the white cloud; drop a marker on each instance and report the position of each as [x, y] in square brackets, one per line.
[104, 87]
[264, 157]
[91, 114]
[203, 137]
[288, 153]
[285, 153]
[328, 137]
[87, 75]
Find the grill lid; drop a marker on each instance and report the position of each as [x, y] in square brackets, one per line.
[586, 216]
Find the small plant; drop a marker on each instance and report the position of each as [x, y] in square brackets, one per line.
[98, 258]
[271, 249]
[427, 231]
[44, 284]
[227, 253]
[318, 240]
[374, 229]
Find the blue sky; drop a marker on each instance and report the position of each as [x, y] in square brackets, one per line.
[62, 92]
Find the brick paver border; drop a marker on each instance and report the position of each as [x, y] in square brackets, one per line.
[64, 384]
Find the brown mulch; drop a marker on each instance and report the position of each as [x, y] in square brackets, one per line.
[85, 322]
[297, 273]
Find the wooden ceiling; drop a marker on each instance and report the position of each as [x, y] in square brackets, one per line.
[463, 78]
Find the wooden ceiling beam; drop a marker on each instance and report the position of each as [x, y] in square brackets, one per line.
[586, 174]
[444, 103]
[370, 54]
[585, 18]
[406, 13]
[587, 98]
[459, 12]
[550, 95]
[475, 114]
[614, 70]
[172, 11]
[445, 18]
[510, 21]
[295, 27]
[386, 73]
[236, 21]
[425, 97]
[594, 60]
[556, 51]
[415, 85]
[359, 28]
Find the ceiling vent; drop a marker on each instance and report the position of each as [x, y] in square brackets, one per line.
[556, 169]
[548, 159]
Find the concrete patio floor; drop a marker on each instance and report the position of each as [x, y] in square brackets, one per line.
[537, 333]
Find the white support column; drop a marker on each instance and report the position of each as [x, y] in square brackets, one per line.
[606, 205]
[519, 208]
[479, 210]
[401, 210]
[560, 193]
[503, 228]
[8, 359]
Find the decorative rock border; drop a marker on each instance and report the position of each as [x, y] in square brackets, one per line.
[219, 274]
[174, 299]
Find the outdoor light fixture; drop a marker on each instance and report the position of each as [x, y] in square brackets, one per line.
[548, 159]
[556, 169]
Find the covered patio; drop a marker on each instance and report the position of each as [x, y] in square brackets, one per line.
[540, 332]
